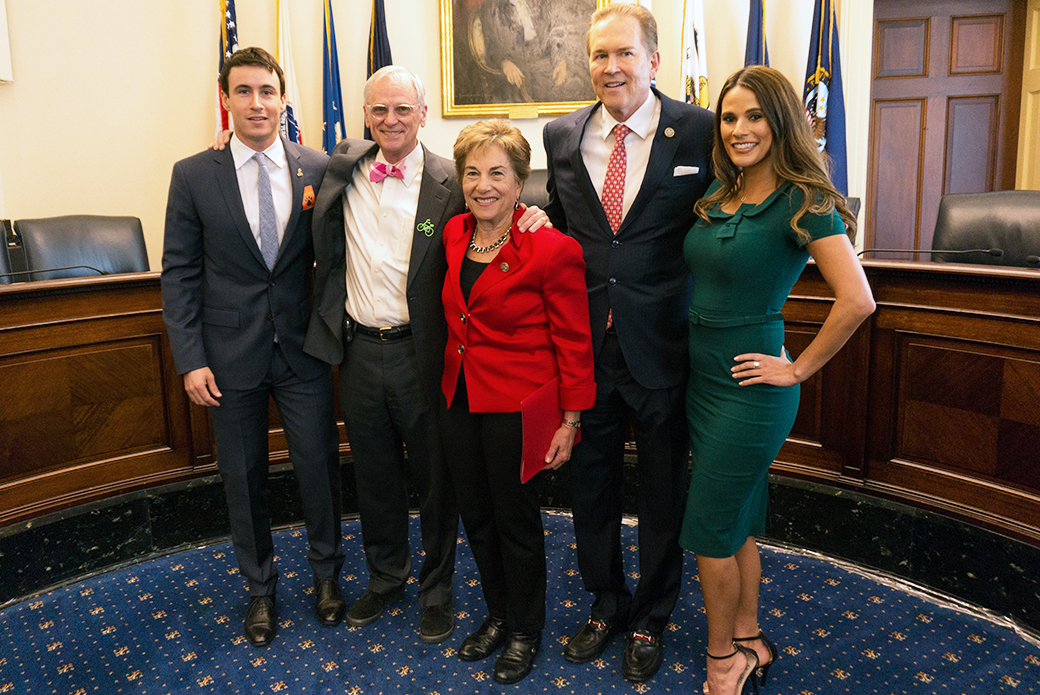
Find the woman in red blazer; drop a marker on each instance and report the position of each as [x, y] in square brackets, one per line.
[518, 317]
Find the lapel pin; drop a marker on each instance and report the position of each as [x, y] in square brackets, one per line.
[504, 267]
[425, 227]
[669, 132]
[299, 172]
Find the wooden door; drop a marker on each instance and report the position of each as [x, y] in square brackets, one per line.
[945, 95]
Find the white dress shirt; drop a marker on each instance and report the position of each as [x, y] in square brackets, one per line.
[598, 142]
[379, 221]
[281, 184]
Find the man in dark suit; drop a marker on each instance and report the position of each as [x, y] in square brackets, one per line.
[236, 282]
[627, 194]
[378, 315]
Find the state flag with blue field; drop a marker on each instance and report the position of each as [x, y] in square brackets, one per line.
[756, 52]
[823, 95]
[333, 126]
[378, 44]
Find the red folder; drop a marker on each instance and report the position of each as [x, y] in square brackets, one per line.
[541, 415]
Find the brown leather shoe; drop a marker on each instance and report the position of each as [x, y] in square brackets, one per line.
[260, 625]
[329, 605]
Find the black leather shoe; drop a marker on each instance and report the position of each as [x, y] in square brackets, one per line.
[369, 607]
[516, 660]
[329, 605]
[482, 643]
[437, 623]
[260, 625]
[588, 642]
[642, 656]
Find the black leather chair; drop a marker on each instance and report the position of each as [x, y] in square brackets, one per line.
[103, 244]
[534, 192]
[1008, 220]
[5, 261]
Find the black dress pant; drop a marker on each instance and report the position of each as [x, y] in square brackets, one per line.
[502, 517]
[240, 426]
[658, 419]
[385, 408]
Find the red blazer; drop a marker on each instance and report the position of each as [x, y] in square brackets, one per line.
[527, 320]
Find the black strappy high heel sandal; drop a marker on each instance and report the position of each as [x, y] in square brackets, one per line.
[763, 669]
[749, 669]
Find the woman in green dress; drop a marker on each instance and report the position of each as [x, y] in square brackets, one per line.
[770, 209]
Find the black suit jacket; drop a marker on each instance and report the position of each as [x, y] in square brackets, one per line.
[639, 273]
[440, 199]
[221, 305]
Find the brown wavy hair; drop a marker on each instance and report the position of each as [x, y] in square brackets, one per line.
[796, 158]
[485, 134]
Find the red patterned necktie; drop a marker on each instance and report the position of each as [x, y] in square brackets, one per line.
[614, 187]
[380, 171]
[614, 184]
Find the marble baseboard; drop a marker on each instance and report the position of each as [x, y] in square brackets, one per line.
[944, 554]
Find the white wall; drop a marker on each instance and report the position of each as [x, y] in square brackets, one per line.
[108, 95]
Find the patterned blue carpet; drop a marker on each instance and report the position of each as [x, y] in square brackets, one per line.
[174, 624]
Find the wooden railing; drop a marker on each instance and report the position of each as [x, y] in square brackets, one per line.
[934, 402]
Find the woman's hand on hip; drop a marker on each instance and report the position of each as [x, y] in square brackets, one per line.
[756, 368]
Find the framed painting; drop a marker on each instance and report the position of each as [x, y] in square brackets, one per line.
[515, 58]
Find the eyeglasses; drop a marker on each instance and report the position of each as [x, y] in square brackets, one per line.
[382, 110]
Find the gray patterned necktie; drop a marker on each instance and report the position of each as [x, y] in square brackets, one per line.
[268, 225]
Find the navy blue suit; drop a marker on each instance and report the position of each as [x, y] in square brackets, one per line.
[223, 309]
[641, 364]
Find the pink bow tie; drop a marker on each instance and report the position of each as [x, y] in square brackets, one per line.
[380, 171]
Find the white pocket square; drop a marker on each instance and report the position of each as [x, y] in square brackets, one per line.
[685, 171]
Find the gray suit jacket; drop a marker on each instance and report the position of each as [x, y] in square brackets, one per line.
[221, 305]
[440, 199]
[639, 273]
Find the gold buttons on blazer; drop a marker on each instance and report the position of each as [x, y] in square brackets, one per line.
[462, 317]
[504, 267]
[461, 349]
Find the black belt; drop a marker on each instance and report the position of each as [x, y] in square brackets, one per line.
[388, 334]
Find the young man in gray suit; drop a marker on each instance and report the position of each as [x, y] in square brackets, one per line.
[378, 315]
[624, 174]
[237, 274]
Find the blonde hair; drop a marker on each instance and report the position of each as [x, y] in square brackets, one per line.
[647, 23]
[796, 158]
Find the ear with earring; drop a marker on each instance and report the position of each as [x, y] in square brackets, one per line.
[516, 205]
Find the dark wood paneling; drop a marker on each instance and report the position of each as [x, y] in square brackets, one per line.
[976, 45]
[934, 401]
[901, 47]
[91, 405]
[948, 407]
[897, 145]
[971, 144]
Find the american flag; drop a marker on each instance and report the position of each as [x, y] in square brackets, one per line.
[228, 45]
